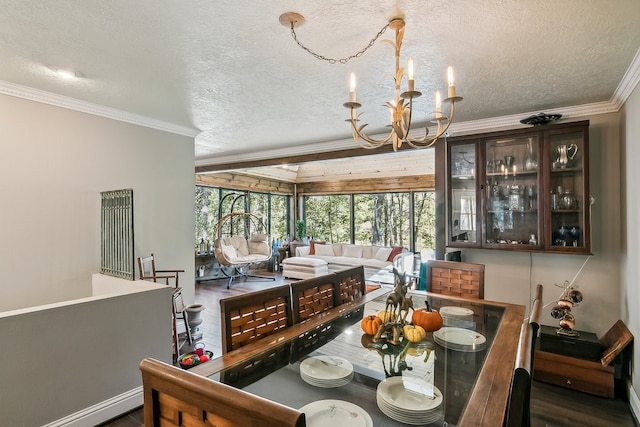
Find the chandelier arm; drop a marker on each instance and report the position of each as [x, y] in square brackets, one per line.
[341, 60]
[358, 135]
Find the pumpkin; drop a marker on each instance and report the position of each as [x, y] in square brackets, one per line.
[370, 324]
[387, 316]
[428, 319]
[414, 333]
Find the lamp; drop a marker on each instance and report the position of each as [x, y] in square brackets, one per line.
[401, 106]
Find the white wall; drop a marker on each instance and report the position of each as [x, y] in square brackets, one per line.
[55, 163]
[512, 277]
[630, 257]
[60, 359]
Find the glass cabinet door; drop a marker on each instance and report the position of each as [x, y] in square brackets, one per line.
[511, 192]
[569, 202]
[463, 223]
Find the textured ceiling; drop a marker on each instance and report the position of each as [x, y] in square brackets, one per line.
[231, 74]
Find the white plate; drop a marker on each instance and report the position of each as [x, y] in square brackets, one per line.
[326, 367]
[410, 394]
[327, 383]
[455, 311]
[335, 413]
[409, 418]
[460, 339]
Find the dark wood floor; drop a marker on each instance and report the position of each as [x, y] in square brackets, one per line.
[551, 406]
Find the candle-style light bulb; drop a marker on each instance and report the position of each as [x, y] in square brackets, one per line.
[438, 105]
[352, 87]
[410, 76]
[452, 86]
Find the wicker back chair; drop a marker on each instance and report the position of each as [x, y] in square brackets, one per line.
[350, 285]
[454, 278]
[312, 296]
[249, 317]
[175, 397]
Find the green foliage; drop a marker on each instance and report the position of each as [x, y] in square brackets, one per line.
[301, 229]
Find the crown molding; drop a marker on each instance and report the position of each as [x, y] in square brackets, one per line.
[628, 83]
[462, 128]
[45, 97]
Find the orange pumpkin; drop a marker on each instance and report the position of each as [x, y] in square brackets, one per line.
[370, 324]
[428, 319]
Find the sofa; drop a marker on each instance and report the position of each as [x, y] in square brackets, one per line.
[341, 256]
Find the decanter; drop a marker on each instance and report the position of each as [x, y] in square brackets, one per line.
[530, 162]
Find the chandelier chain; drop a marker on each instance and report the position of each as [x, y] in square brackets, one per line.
[342, 60]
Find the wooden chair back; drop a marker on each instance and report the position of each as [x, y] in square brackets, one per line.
[312, 296]
[463, 279]
[536, 309]
[350, 285]
[147, 271]
[518, 409]
[175, 397]
[249, 317]
[534, 319]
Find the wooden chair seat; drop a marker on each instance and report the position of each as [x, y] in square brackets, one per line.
[175, 397]
[454, 278]
[248, 317]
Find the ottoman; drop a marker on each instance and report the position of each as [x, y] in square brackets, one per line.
[304, 268]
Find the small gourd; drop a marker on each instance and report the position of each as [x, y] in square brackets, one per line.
[430, 320]
[370, 324]
[387, 316]
[414, 333]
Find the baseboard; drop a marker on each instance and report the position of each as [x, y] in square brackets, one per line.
[102, 411]
[634, 401]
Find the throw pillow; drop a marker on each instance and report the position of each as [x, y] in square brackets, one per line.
[383, 254]
[259, 237]
[324, 250]
[395, 250]
[352, 251]
[229, 252]
[258, 248]
[312, 246]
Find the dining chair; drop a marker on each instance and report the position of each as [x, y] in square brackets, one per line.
[252, 316]
[350, 285]
[176, 397]
[534, 319]
[518, 408]
[312, 296]
[147, 271]
[180, 313]
[454, 278]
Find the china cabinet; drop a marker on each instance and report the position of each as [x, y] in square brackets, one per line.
[524, 189]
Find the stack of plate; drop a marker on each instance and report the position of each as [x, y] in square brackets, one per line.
[326, 371]
[460, 339]
[459, 317]
[409, 400]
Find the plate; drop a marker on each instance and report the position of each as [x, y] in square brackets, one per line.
[460, 339]
[540, 119]
[455, 311]
[410, 395]
[326, 368]
[335, 413]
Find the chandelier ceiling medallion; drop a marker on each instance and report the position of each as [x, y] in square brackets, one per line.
[402, 105]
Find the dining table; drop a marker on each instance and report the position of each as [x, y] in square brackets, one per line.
[330, 369]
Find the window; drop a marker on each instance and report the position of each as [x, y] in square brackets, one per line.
[382, 218]
[213, 203]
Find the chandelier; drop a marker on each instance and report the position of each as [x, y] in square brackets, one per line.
[401, 106]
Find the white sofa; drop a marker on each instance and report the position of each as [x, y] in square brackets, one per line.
[340, 256]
